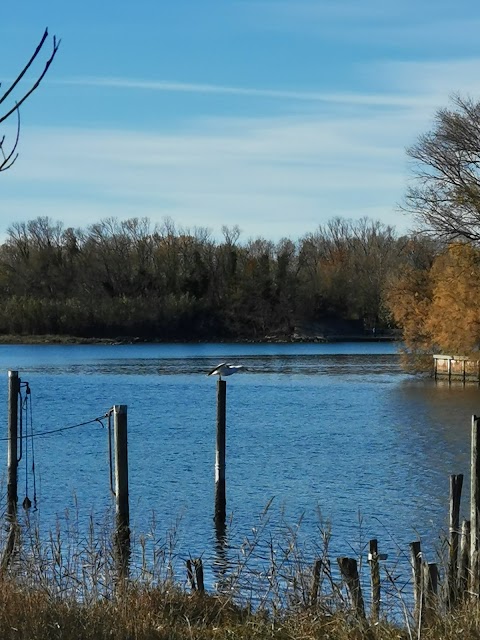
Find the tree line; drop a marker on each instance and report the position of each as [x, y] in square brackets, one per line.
[127, 278]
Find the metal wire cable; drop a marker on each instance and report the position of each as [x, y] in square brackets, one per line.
[61, 429]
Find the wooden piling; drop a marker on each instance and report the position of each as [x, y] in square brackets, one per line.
[349, 571]
[317, 567]
[416, 561]
[198, 566]
[220, 450]
[13, 391]
[474, 508]
[12, 467]
[430, 590]
[191, 575]
[375, 580]
[456, 483]
[464, 561]
[122, 511]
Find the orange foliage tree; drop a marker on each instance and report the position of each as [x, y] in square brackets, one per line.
[454, 318]
[409, 298]
[438, 308]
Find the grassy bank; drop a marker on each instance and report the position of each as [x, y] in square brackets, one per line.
[166, 612]
[159, 613]
[65, 586]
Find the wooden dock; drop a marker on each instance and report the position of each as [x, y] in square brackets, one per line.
[456, 368]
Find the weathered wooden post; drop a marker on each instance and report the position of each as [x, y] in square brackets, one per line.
[416, 560]
[220, 490]
[456, 483]
[13, 391]
[474, 507]
[317, 568]
[122, 512]
[198, 566]
[195, 574]
[191, 575]
[12, 462]
[349, 571]
[430, 589]
[375, 579]
[464, 564]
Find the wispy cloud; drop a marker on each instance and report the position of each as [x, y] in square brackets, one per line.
[273, 174]
[432, 79]
[372, 99]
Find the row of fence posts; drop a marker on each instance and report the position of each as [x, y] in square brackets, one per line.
[462, 574]
[120, 490]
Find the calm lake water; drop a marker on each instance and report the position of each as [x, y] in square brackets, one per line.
[335, 428]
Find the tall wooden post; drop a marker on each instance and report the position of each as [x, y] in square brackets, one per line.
[13, 391]
[220, 490]
[122, 512]
[456, 483]
[317, 568]
[430, 590]
[464, 563]
[12, 461]
[416, 559]
[348, 569]
[474, 507]
[375, 580]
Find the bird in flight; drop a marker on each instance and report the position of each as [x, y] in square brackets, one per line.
[225, 369]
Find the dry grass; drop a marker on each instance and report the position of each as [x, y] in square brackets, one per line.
[66, 587]
[150, 613]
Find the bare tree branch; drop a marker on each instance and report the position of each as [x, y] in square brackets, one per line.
[445, 194]
[10, 157]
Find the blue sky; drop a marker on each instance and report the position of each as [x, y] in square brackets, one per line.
[273, 115]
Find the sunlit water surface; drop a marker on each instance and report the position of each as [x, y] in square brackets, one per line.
[332, 429]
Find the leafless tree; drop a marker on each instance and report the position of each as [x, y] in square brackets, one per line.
[8, 157]
[445, 194]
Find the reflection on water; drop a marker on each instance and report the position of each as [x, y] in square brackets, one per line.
[338, 429]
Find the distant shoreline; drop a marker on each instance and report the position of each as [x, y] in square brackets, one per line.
[75, 340]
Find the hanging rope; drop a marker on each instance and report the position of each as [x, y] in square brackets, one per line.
[33, 453]
[20, 425]
[110, 455]
[25, 406]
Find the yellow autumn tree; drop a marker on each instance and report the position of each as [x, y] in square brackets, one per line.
[438, 309]
[408, 299]
[454, 315]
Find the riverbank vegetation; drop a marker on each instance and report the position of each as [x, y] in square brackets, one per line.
[152, 613]
[131, 280]
[66, 587]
